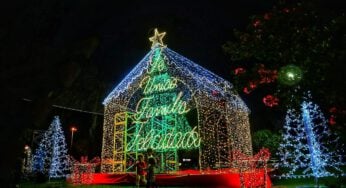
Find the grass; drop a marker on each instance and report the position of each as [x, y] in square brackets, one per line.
[310, 182]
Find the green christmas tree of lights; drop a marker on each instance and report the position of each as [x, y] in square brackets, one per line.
[161, 112]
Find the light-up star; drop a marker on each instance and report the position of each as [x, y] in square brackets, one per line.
[157, 38]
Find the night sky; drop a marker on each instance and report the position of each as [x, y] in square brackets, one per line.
[39, 39]
[195, 30]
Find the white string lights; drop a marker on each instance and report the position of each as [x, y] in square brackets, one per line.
[309, 148]
[176, 97]
[51, 156]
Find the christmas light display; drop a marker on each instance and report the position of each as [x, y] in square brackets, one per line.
[157, 39]
[334, 112]
[83, 171]
[256, 164]
[171, 104]
[51, 155]
[309, 149]
[270, 100]
[266, 75]
[290, 75]
[239, 71]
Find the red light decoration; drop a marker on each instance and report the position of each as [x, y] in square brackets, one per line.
[215, 93]
[83, 171]
[270, 101]
[267, 16]
[253, 85]
[286, 10]
[239, 70]
[193, 178]
[332, 120]
[256, 23]
[251, 163]
[332, 109]
[246, 90]
[266, 75]
[250, 171]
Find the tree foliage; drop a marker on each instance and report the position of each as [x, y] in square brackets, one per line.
[301, 33]
[266, 139]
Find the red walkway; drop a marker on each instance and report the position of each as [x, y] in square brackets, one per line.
[191, 178]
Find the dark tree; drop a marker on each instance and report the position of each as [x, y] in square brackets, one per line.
[295, 47]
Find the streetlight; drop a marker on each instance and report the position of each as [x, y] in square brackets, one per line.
[27, 159]
[73, 129]
[26, 148]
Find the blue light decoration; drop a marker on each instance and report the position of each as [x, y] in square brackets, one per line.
[217, 116]
[40, 161]
[202, 78]
[309, 148]
[51, 155]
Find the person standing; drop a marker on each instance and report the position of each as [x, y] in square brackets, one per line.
[150, 169]
[140, 169]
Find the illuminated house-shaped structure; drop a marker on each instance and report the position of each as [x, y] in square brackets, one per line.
[179, 109]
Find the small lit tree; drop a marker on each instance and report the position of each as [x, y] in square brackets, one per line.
[51, 156]
[309, 149]
[42, 157]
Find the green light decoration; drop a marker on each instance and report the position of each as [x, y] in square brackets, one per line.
[159, 83]
[166, 103]
[145, 109]
[161, 100]
[169, 141]
[290, 75]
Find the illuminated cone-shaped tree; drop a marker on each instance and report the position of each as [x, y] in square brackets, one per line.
[59, 166]
[43, 154]
[161, 89]
[51, 156]
[309, 149]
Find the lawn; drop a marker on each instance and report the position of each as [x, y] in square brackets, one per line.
[309, 182]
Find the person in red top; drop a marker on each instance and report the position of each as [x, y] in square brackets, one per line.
[140, 166]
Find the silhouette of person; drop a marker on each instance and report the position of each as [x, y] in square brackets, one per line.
[150, 169]
[140, 175]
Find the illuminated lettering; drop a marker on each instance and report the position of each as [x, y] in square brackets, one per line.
[155, 104]
[153, 139]
[144, 110]
[158, 84]
[157, 64]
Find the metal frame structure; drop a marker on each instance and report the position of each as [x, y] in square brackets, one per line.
[221, 118]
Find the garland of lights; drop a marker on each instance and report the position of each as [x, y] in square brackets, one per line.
[167, 89]
[308, 145]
